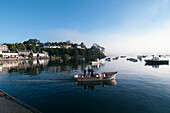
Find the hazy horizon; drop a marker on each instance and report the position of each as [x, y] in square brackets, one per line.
[122, 27]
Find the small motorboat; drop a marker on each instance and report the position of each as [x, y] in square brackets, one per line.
[108, 59]
[132, 59]
[97, 77]
[155, 60]
[122, 56]
[115, 58]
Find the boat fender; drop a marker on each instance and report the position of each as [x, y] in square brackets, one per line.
[104, 75]
[76, 76]
[97, 75]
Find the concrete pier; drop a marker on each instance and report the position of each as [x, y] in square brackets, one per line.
[9, 104]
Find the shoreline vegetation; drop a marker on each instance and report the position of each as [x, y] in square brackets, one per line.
[54, 50]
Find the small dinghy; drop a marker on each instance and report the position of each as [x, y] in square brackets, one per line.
[97, 77]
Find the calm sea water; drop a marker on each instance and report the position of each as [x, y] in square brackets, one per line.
[49, 87]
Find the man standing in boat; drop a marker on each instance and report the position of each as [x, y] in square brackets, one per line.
[88, 70]
[84, 72]
[92, 75]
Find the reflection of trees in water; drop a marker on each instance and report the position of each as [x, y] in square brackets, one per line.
[34, 67]
[32, 70]
[22, 67]
[73, 64]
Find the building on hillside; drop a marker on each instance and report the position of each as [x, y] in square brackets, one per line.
[44, 54]
[79, 47]
[51, 47]
[24, 52]
[67, 46]
[3, 48]
[37, 45]
[8, 54]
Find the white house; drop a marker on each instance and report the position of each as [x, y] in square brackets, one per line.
[44, 54]
[79, 47]
[9, 54]
[67, 46]
[51, 47]
[3, 48]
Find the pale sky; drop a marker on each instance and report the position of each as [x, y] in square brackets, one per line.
[121, 26]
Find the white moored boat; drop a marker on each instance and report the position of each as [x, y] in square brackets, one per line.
[155, 60]
[102, 61]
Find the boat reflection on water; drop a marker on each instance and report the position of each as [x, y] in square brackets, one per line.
[154, 65]
[91, 85]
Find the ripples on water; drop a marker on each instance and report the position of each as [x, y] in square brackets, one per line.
[49, 87]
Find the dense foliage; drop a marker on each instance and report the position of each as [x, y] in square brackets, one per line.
[1, 55]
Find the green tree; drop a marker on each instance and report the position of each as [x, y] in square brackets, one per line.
[31, 47]
[68, 42]
[20, 46]
[65, 57]
[38, 49]
[1, 55]
[47, 43]
[82, 45]
[31, 42]
[75, 52]
[11, 47]
[30, 55]
[75, 45]
[97, 46]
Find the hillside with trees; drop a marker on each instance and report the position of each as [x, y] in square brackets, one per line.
[60, 50]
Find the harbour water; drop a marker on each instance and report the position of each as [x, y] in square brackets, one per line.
[50, 87]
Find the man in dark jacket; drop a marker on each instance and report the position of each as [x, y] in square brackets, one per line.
[84, 72]
[92, 75]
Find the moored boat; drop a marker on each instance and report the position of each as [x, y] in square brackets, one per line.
[132, 59]
[115, 58]
[122, 56]
[105, 76]
[108, 59]
[156, 60]
[98, 62]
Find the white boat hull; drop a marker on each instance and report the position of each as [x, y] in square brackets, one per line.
[85, 79]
